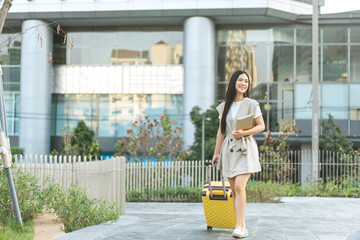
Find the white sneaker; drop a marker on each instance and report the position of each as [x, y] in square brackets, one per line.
[238, 233]
[245, 233]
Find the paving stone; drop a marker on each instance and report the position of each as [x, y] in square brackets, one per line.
[294, 219]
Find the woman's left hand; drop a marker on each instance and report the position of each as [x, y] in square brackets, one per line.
[238, 134]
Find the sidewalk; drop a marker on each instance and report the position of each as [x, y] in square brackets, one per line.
[295, 219]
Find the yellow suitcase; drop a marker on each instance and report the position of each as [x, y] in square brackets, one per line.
[218, 207]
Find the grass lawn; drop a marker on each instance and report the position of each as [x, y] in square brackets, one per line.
[10, 230]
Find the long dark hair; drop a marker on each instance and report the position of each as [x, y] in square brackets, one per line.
[230, 96]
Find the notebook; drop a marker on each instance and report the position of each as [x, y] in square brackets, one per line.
[245, 122]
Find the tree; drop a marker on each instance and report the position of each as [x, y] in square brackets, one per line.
[275, 152]
[153, 139]
[338, 149]
[332, 138]
[3, 13]
[211, 124]
[79, 141]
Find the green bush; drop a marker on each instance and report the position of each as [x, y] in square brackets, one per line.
[264, 192]
[79, 142]
[28, 193]
[75, 209]
[158, 139]
[167, 194]
[261, 191]
[17, 150]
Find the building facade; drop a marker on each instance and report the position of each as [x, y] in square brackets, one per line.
[120, 60]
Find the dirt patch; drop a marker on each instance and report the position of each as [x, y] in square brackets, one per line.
[47, 227]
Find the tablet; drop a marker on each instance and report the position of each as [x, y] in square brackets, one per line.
[245, 122]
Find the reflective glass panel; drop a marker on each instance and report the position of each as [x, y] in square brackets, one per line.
[256, 62]
[103, 124]
[354, 102]
[229, 61]
[303, 64]
[304, 36]
[283, 35]
[283, 64]
[11, 78]
[259, 92]
[124, 47]
[336, 106]
[111, 115]
[59, 49]
[281, 104]
[281, 92]
[274, 109]
[264, 112]
[10, 49]
[355, 63]
[335, 63]
[230, 37]
[257, 35]
[12, 106]
[335, 35]
[303, 101]
[355, 35]
[221, 91]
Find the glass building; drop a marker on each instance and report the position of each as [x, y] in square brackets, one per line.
[117, 62]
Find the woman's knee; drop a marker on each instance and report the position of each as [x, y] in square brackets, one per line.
[239, 189]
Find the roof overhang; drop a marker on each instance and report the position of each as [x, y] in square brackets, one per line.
[156, 12]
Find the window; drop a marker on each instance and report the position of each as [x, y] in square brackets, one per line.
[335, 63]
[120, 47]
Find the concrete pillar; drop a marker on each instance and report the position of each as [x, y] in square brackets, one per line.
[199, 69]
[306, 163]
[35, 87]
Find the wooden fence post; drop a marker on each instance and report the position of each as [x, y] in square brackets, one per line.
[122, 185]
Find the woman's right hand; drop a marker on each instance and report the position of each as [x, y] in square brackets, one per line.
[215, 159]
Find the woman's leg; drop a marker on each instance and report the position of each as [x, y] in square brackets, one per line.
[238, 188]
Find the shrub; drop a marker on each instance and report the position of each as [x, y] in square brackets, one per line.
[264, 192]
[148, 138]
[75, 209]
[28, 193]
[332, 138]
[167, 194]
[275, 153]
[17, 150]
[79, 142]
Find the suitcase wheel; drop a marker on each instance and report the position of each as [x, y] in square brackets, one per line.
[209, 228]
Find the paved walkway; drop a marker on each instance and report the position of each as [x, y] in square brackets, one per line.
[295, 219]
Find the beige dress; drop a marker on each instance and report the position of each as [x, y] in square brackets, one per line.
[238, 156]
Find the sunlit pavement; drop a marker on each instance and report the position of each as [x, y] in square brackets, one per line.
[295, 219]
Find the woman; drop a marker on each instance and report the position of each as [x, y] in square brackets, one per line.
[236, 151]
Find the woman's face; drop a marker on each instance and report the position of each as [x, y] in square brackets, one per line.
[242, 83]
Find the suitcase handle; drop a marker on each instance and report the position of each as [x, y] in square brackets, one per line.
[207, 164]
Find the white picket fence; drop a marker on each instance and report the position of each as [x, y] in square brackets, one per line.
[287, 167]
[110, 179]
[105, 180]
[155, 175]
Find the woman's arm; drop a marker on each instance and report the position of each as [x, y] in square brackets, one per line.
[219, 142]
[259, 127]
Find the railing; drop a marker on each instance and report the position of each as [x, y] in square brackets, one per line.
[294, 166]
[108, 179]
[105, 180]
